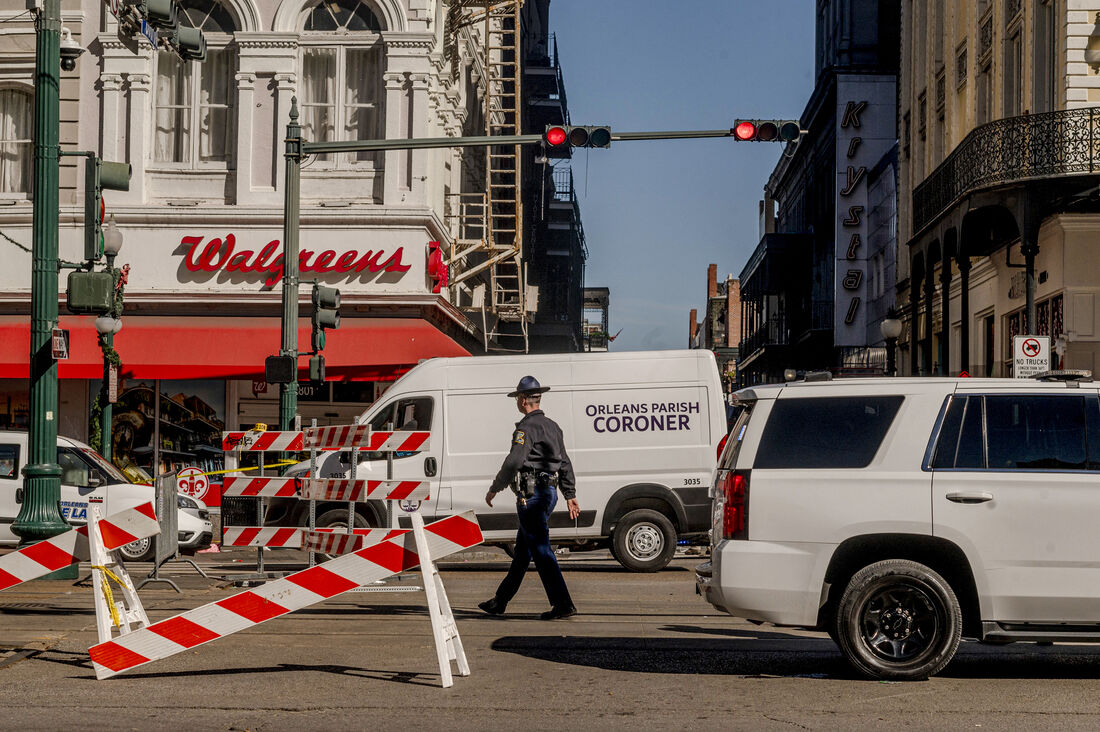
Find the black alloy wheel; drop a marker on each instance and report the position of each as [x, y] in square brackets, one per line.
[898, 620]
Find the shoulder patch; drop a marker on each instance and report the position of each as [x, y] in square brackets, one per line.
[519, 438]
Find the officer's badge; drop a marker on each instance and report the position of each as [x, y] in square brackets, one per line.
[519, 438]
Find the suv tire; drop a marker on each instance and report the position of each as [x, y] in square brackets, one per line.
[898, 620]
[644, 541]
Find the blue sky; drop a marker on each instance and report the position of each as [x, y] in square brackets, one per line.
[657, 213]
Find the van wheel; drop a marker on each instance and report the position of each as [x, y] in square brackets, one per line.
[644, 541]
[141, 550]
[898, 620]
[337, 518]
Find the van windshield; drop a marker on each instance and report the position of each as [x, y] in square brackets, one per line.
[113, 473]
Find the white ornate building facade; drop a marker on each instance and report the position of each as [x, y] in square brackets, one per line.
[203, 217]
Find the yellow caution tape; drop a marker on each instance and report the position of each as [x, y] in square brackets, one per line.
[277, 464]
[107, 592]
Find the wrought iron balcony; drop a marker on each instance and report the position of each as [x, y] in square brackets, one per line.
[1011, 150]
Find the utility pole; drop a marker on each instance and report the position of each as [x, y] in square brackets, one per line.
[39, 517]
[288, 393]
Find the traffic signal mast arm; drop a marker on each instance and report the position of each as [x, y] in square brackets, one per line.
[310, 148]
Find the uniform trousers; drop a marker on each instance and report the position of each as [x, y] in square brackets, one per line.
[533, 542]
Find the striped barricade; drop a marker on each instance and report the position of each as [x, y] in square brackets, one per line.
[340, 489]
[294, 592]
[71, 547]
[241, 487]
[361, 436]
[338, 541]
[261, 536]
[257, 441]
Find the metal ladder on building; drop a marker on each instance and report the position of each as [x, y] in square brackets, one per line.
[501, 221]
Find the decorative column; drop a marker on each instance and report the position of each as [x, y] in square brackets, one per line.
[419, 118]
[395, 175]
[246, 85]
[945, 317]
[140, 106]
[929, 294]
[964, 311]
[109, 117]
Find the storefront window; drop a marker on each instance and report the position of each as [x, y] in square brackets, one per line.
[15, 404]
[187, 419]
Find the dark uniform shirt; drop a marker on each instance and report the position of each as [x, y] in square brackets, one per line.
[537, 444]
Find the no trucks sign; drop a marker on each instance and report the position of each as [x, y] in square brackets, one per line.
[1030, 356]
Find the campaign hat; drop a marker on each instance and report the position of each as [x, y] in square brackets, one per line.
[528, 385]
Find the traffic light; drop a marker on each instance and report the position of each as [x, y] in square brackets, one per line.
[190, 44]
[90, 293]
[161, 14]
[767, 130]
[437, 271]
[98, 175]
[560, 137]
[326, 314]
[317, 368]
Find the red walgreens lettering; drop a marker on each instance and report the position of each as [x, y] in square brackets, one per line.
[218, 254]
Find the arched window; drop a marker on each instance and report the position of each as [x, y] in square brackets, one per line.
[16, 140]
[194, 101]
[342, 96]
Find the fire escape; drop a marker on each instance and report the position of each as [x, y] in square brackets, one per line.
[486, 253]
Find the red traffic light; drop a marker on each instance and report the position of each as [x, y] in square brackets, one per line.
[744, 131]
[555, 136]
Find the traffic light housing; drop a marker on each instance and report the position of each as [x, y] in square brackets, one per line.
[100, 175]
[190, 44]
[317, 368]
[161, 14]
[437, 271]
[326, 314]
[562, 137]
[767, 130]
[280, 369]
[90, 293]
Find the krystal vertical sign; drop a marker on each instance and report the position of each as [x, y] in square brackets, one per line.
[865, 131]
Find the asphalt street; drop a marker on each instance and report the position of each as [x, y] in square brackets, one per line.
[644, 653]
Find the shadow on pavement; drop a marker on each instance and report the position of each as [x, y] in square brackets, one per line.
[734, 632]
[766, 654]
[81, 660]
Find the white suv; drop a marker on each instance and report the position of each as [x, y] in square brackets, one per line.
[900, 515]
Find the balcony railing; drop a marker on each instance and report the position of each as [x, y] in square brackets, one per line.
[1011, 150]
[773, 332]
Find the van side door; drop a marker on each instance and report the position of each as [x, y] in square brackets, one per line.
[411, 412]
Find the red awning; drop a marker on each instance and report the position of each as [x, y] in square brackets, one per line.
[154, 347]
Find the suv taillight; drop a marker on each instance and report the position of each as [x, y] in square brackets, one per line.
[735, 504]
[722, 446]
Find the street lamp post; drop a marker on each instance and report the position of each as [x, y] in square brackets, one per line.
[39, 517]
[891, 329]
[107, 325]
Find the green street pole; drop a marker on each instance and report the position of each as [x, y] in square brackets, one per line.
[288, 393]
[109, 340]
[39, 516]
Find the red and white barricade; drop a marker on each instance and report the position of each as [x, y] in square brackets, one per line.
[97, 542]
[71, 547]
[242, 487]
[284, 537]
[406, 550]
[342, 489]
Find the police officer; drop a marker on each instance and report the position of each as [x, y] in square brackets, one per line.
[535, 467]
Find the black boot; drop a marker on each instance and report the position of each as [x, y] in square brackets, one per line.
[559, 612]
[492, 606]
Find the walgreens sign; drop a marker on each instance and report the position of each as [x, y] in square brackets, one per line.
[223, 255]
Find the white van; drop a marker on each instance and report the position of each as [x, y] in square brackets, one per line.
[85, 473]
[642, 429]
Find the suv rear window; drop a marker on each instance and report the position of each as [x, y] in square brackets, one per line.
[826, 432]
